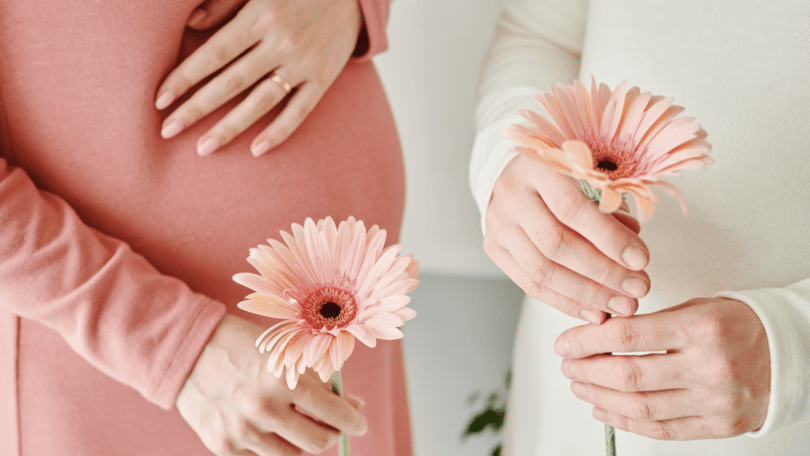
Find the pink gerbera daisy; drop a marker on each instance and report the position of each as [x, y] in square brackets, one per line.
[330, 285]
[617, 141]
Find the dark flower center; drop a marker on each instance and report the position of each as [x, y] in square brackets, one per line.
[330, 310]
[329, 307]
[607, 165]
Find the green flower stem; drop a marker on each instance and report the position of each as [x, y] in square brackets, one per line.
[610, 440]
[337, 387]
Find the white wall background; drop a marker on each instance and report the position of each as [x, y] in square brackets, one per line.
[461, 341]
[431, 73]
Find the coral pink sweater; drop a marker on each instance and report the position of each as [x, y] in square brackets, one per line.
[117, 247]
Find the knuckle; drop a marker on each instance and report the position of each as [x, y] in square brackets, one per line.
[552, 242]
[570, 205]
[643, 410]
[227, 132]
[592, 295]
[217, 55]
[534, 290]
[318, 442]
[728, 427]
[266, 101]
[301, 112]
[628, 375]
[281, 133]
[621, 335]
[709, 327]
[179, 83]
[662, 431]
[541, 270]
[285, 44]
[232, 85]
[502, 186]
[192, 113]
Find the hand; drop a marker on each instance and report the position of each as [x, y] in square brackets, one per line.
[553, 242]
[712, 382]
[305, 42]
[237, 407]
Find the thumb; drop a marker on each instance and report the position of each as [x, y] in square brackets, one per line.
[213, 12]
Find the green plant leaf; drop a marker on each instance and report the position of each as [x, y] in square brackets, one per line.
[496, 451]
[488, 418]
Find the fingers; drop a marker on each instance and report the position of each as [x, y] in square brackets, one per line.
[262, 443]
[213, 12]
[264, 97]
[301, 431]
[504, 260]
[642, 406]
[561, 245]
[329, 408]
[627, 374]
[640, 333]
[218, 91]
[552, 273]
[293, 115]
[567, 202]
[687, 428]
[214, 54]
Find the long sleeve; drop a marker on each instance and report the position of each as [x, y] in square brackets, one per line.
[116, 310]
[536, 44]
[375, 20]
[785, 314]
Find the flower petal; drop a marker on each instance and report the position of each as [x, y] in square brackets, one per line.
[341, 348]
[672, 190]
[362, 334]
[268, 309]
[610, 201]
[384, 319]
[578, 154]
[405, 313]
[385, 332]
[318, 347]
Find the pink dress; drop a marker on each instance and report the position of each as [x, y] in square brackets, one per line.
[117, 247]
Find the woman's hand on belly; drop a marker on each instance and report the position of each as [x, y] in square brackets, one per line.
[234, 404]
[298, 45]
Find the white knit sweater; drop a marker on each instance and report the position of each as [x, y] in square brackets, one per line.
[742, 69]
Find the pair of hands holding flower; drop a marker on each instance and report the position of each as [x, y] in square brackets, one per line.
[229, 399]
[276, 45]
[713, 379]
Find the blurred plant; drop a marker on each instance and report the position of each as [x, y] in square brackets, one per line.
[491, 416]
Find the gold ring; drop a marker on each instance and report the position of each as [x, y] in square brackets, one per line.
[280, 81]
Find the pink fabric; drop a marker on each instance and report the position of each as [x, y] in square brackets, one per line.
[117, 247]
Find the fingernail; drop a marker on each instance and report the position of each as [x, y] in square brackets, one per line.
[172, 129]
[261, 148]
[567, 369]
[620, 305]
[578, 389]
[635, 287]
[208, 146]
[591, 316]
[635, 258]
[196, 17]
[165, 99]
[561, 346]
